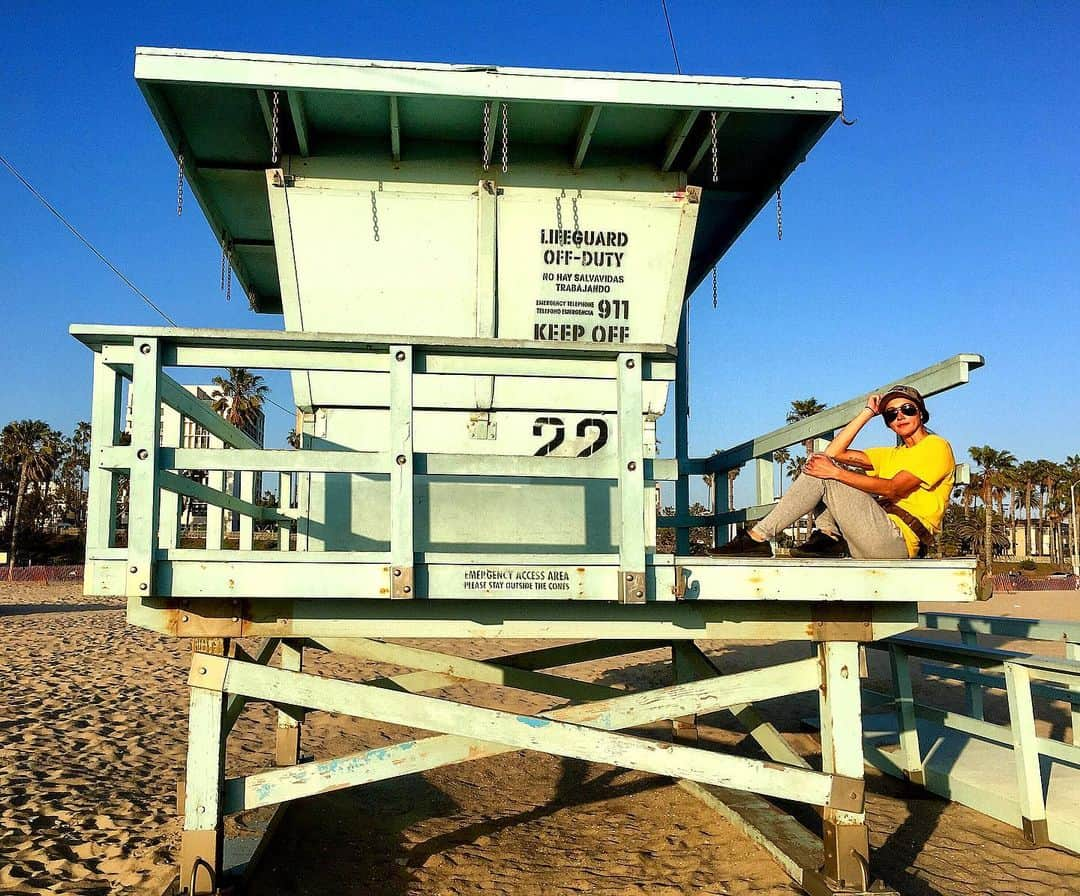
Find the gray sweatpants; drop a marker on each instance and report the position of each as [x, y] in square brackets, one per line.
[840, 509]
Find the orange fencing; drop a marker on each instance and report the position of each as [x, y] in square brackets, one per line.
[41, 574]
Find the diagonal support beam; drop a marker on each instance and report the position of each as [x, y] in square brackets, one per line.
[677, 138]
[581, 652]
[300, 122]
[747, 715]
[236, 703]
[395, 130]
[462, 668]
[527, 732]
[947, 374]
[584, 136]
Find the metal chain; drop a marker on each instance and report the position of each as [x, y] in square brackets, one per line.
[228, 272]
[180, 186]
[779, 215]
[505, 137]
[485, 148]
[714, 286]
[558, 208]
[274, 132]
[715, 175]
[374, 217]
[843, 118]
[574, 205]
[224, 263]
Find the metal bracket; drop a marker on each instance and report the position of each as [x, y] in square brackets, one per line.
[681, 577]
[281, 179]
[817, 884]
[631, 587]
[481, 427]
[916, 776]
[847, 794]
[208, 618]
[195, 848]
[208, 672]
[847, 848]
[841, 622]
[1036, 830]
[401, 583]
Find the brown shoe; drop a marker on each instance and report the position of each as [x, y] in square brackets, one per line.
[742, 545]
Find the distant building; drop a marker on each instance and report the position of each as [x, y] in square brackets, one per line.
[192, 435]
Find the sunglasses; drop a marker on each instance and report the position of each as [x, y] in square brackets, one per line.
[908, 410]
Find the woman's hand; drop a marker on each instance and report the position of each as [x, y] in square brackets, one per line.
[820, 466]
[873, 404]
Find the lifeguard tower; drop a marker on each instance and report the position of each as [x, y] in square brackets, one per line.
[483, 274]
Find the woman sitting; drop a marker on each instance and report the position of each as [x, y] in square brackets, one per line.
[887, 508]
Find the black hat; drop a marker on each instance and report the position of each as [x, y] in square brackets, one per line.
[909, 392]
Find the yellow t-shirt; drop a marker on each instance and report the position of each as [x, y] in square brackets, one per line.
[931, 460]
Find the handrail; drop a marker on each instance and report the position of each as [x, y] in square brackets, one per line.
[96, 336]
[1003, 626]
[153, 457]
[982, 657]
[946, 375]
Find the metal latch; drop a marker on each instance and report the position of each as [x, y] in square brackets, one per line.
[482, 427]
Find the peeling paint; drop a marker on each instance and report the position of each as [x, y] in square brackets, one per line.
[532, 722]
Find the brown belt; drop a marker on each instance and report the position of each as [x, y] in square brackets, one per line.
[926, 538]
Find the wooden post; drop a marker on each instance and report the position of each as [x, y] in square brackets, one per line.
[1029, 786]
[973, 689]
[1072, 652]
[402, 552]
[631, 489]
[143, 493]
[172, 424]
[284, 505]
[105, 422]
[906, 722]
[289, 728]
[247, 523]
[202, 840]
[682, 421]
[847, 847]
[214, 514]
[684, 729]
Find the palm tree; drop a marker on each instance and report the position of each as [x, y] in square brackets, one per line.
[994, 465]
[1045, 477]
[795, 468]
[781, 457]
[239, 397]
[29, 446]
[1026, 474]
[971, 533]
[801, 408]
[57, 451]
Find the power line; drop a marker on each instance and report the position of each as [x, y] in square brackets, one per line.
[37, 195]
[671, 36]
[84, 240]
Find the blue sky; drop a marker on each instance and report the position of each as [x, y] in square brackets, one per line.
[945, 221]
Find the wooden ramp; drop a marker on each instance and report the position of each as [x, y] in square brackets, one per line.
[979, 774]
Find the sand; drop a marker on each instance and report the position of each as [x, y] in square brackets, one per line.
[92, 742]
